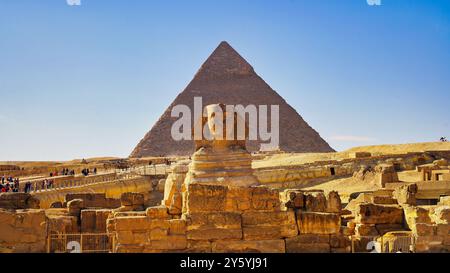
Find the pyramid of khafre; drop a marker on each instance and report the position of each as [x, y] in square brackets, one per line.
[227, 78]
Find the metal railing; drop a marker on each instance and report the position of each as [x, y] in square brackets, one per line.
[80, 243]
[383, 244]
[160, 169]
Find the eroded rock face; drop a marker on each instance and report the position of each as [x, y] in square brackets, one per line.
[406, 194]
[18, 200]
[94, 220]
[367, 213]
[22, 231]
[269, 225]
[260, 246]
[173, 187]
[213, 226]
[217, 198]
[318, 222]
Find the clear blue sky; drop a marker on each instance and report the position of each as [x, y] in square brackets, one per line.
[91, 80]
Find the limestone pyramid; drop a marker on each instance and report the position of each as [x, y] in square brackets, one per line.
[227, 78]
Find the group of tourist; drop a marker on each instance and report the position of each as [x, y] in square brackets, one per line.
[86, 171]
[65, 171]
[9, 184]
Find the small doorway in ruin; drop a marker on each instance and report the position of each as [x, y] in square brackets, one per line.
[332, 171]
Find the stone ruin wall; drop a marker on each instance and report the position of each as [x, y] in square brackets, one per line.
[216, 218]
[259, 219]
[305, 175]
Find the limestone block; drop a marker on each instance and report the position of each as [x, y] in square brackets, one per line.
[428, 243]
[18, 200]
[318, 222]
[442, 215]
[292, 198]
[75, 206]
[195, 246]
[268, 225]
[158, 212]
[62, 224]
[23, 230]
[334, 203]
[340, 241]
[315, 202]
[128, 237]
[177, 227]
[94, 221]
[378, 214]
[88, 221]
[132, 223]
[415, 215]
[422, 229]
[238, 199]
[443, 230]
[444, 201]
[171, 242]
[406, 194]
[309, 239]
[124, 248]
[264, 198]
[308, 243]
[204, 198]
[362, 230]
[217, 198]
[245, 246]
[384, 200]
[213, 226]
[341, 250]
[385, 228]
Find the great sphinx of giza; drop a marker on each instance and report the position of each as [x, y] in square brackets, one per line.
[220, 155]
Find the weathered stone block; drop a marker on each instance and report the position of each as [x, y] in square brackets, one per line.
[334, 203]
[213, 226]
[340, 241]
[308, 243]
[406, 194]
[318, 222]
[132, 223]
[385, 228]
[241, 246]
[172, 242]
[204, 198]
[177, 227]
[18, 200]
[366, 230]
[264, 198]
[378, 214]
[292, 198]
[442, 215]
[195, 246]
[158, 212]
[268, 225]
[315, 202]
[75, 206]
[23, 230]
